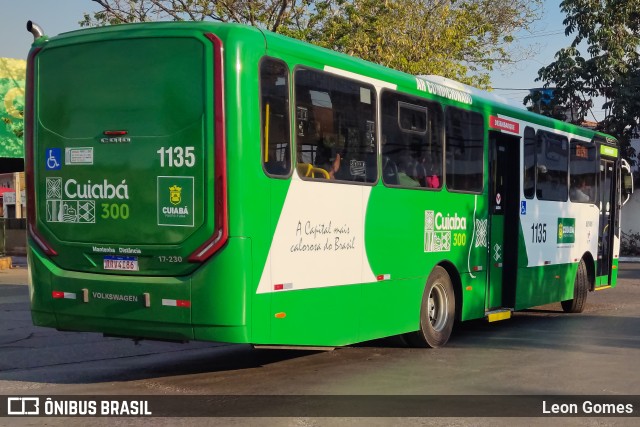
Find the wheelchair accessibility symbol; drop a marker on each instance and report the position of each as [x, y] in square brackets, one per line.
[54, 159]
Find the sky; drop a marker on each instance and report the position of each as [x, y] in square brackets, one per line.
[58, 16]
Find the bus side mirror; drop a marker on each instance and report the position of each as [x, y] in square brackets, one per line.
[627, 181]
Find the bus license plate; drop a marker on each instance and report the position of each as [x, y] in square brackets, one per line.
[125, 263]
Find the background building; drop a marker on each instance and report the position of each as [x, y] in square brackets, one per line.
[12, 182]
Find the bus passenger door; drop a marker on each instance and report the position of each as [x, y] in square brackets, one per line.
[607, 205]
[504, 201]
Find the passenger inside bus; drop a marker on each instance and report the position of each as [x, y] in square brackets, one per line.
[405, 164]
[427, 172]
[329, 160]
[581, 191]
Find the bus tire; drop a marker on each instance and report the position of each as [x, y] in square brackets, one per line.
[580, 290]
[437, 312]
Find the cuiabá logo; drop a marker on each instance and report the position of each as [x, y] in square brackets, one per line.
[566, 230]
[175, 195]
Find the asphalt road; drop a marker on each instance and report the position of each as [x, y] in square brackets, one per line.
[538, 352]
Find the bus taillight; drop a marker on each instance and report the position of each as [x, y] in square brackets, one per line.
[29, 123]
[221, 227]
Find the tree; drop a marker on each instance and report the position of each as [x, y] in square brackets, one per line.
[269, 14]
[459, 39]
[11, 107]
[462, 40]
[610, 30]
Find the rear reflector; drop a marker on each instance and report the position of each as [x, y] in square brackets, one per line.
[176, 302]
[115, 132]
[61, 295]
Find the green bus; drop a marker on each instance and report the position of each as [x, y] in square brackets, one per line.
[218, 182]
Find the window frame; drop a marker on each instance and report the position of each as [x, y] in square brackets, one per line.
[557, 136]
[288, 118]
[295, 137]
[594, 173]
[430, 104]
[485, 130]
[414, 107]
[535, 161]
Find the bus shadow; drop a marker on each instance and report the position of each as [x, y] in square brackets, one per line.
[551, 329]
[547, 327]
[164, 361]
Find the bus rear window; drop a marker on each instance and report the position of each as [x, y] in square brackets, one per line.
[151, 87]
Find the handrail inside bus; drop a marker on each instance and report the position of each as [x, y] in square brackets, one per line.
[627, 181]
[308, 170]
[266, 134]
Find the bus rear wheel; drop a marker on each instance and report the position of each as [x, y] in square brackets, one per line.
[580, 290]
[437, 312]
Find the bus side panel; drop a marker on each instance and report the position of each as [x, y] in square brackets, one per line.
[473, 293]
[40, 290]
[432, 228]
[616, 252]
[390, 307]
[545, 285]
[323, 316]
[549, 261]
[221, 307]
[614, 273]
[263, 311]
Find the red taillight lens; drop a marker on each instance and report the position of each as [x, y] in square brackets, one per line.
[221, 227]
[29, 123]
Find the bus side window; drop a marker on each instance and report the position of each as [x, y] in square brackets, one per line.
[335, 127]
[552, 163]
[464, 150]
[411, 141]
[529, 178]
[583, 169]
[275, 124]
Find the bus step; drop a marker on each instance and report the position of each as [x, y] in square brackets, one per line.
[499, 314]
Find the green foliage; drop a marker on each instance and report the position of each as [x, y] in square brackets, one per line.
[610, 30]
[11, 122]
[459, 39]
[269, 14]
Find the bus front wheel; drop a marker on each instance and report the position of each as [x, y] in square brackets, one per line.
[437, 311]
[580, 290]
